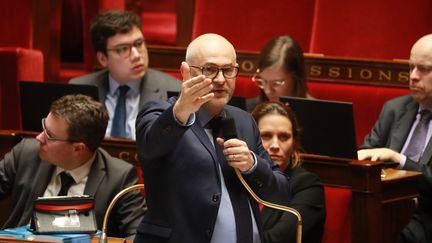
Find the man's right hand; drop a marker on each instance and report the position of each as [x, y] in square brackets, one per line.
[194, 93]
[382, 154]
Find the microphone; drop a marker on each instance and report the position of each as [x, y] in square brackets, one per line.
[103, 237]
[228, 128]
[229, 131]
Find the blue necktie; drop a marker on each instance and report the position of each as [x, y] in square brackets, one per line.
[118, 128]
[414, 150]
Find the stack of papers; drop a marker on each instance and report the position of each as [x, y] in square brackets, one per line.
[24, 233]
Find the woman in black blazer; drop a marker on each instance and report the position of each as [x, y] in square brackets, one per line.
[280, 135]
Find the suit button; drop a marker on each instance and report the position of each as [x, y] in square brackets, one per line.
[215, 198]
[208, 233]
[259, 183]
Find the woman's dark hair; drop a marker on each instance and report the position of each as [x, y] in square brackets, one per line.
[286, 52]
[278, 108]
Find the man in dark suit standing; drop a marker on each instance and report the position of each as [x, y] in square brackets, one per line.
[68, 147]
[193, 193]
[126, 81]
[402, 134]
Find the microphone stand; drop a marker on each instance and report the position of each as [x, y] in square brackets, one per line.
[103, 238]
[274, 206]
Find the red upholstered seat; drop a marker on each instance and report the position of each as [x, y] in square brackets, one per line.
[250, 24]
[159, 21]
[369, 28]
[16, 64]
[367, 101]
[338, 225]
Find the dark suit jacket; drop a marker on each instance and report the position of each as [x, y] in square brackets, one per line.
[180, 169]
[391, 131]
[24, 176]
[308, 199]
[154, 84]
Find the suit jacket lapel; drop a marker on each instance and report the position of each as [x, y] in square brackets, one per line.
[204, 139]
[97, 173]
[43, 176]
[102, 82]
[150, 88]
[403, 126]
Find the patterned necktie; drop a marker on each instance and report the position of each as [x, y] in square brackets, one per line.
[237, 193]
[118, 128]
[66, 182]
[414, 150]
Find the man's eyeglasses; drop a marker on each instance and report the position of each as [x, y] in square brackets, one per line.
[124, 50]
[262, 83]
[49, 137]
[211, 71]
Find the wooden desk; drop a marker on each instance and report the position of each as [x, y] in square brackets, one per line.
[381, 206]
[382, 202]
[95, 239]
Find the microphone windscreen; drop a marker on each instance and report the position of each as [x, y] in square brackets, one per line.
[228, 128]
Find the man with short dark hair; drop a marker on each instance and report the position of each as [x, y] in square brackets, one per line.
[69, 145]
[126, 81]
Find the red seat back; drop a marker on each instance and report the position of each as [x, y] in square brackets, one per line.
[17, 64]
[338, 225]
[257, 23]
[369, 28]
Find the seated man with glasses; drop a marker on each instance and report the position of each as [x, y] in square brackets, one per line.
[68, 147]
[280, 72]
[126, 81]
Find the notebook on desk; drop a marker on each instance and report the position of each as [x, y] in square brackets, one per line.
[36, 99]
[327, 126]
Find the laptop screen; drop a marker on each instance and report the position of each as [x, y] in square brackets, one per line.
[327, 126]
[36, 99]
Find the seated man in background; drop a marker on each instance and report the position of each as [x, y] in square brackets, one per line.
[126, 81]
[68, 147]
[402, 135]
[280, 134]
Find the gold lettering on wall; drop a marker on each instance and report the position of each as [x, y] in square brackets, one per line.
[124, 155]
[366, 74]
[384, 75]
[315, 70]
[350, 73]
[334, 72]
[247, 66]
[357, 74]
[403, 77]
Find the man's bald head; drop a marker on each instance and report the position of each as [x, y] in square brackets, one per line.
[424, 44]
[209, 45]
[421, 71]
